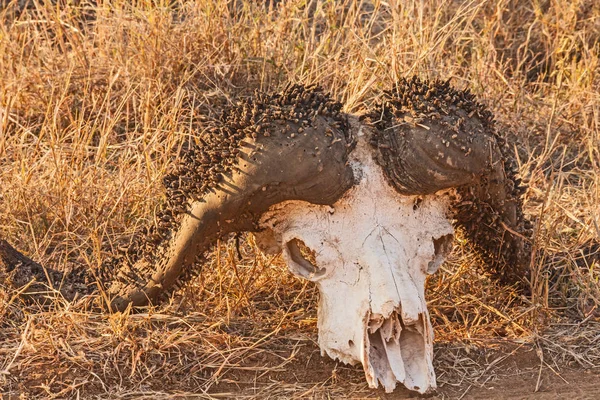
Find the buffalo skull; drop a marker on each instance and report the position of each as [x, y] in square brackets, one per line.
[372, 251]
[363, 206]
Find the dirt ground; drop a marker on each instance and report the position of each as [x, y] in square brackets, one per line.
[522, 378]
[513, 373]
[575, 384]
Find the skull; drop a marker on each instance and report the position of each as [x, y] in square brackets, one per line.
[367, 196]
[371, 253]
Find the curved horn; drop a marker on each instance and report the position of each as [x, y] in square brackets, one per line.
[269, 149]
[431, 137]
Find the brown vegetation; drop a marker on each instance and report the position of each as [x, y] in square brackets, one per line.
[96, 101]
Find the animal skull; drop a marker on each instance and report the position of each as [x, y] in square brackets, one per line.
[373, 250]
[370, 198]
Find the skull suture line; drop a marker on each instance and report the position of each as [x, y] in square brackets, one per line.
[373, 251]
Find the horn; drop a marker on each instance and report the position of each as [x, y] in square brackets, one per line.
[268, 149]
[429, 137]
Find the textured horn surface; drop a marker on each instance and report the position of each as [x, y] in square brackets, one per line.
[268, 149]
[428, 137]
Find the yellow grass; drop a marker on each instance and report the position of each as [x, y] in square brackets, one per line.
[96, 100]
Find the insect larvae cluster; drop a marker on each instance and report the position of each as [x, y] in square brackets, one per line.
[416, 103]
[447, 123]
[217, 151]
[485, 219]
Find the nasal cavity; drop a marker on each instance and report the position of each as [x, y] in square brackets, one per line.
[442, 247]
[301, 260]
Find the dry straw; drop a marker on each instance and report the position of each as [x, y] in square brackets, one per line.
[97, 98]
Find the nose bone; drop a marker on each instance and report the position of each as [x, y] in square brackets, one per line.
[397, 338]
[395, 281]
[395, 352]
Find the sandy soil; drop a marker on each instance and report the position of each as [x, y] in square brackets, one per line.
[570, 385]
[518, 376]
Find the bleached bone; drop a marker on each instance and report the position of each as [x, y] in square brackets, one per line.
[373, 249]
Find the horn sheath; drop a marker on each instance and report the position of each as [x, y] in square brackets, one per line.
[429, 137]
[290, 146]
[267, 149]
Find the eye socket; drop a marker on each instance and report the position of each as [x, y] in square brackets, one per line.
[301, 260]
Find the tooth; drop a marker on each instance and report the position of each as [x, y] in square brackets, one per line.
[375, 322]
[394, 355]
[416, 354]
[391, 328]
[379, 361]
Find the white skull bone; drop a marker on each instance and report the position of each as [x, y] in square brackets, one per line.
[373, 250]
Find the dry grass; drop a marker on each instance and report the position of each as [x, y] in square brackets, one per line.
[96, 100]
